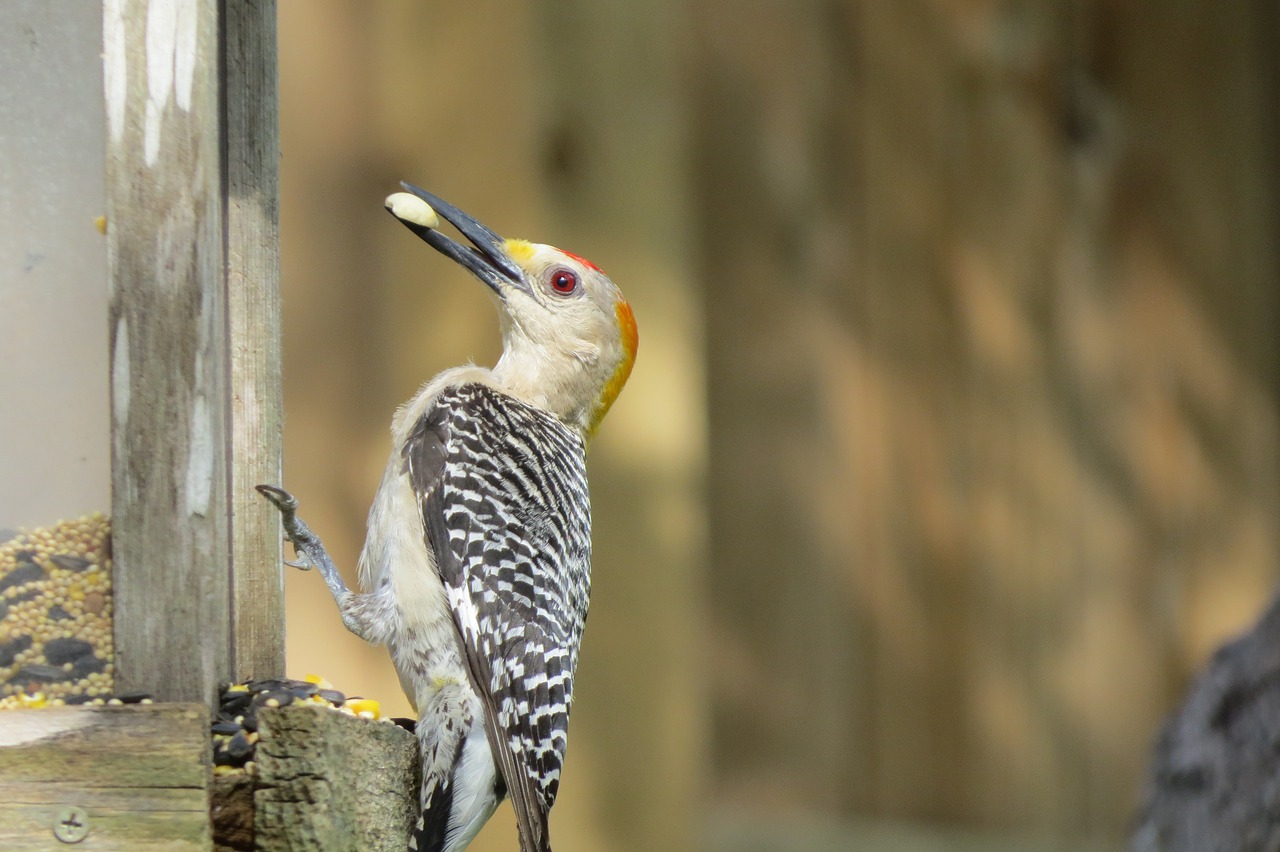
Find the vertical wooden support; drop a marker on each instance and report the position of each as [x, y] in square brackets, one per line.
[182, 346]
[253, 313]
[168, 348]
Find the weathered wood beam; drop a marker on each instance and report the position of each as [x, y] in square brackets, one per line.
[191, 202]
[169, 358]
[133, 777]
[253, 312]
[330, 781]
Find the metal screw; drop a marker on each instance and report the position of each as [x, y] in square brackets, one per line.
[71, 825]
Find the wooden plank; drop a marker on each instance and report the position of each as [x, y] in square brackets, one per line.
[253, 313]
[195, 343]
[328, 781]
[139, 773]
[169, 358]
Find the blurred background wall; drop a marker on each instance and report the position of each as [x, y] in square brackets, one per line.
[952, 446]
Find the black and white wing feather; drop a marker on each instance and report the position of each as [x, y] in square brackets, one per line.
[503, 492]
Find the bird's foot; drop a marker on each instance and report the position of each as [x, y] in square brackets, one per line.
[296, 531]
[306, 544]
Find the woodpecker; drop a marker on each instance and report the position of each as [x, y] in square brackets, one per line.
[476, 566]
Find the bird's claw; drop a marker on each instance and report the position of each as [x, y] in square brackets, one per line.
[281, 499]
[295, 532]
[308, 551]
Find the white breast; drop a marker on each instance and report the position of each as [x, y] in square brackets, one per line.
[396, 563]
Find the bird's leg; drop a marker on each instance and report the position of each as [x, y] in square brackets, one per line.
[368, 616]
[305, 543]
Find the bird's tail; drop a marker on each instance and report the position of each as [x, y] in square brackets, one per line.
[433, 825]
[460, 783]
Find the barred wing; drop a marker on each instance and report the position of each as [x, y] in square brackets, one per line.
[503, 492]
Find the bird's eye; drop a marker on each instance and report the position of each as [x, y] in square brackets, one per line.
[564, 282]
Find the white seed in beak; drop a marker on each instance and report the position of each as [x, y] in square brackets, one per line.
[410, 208]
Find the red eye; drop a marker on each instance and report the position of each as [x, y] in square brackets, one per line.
[564, 281]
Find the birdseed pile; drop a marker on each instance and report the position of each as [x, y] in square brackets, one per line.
[55, 614]
[235, 730]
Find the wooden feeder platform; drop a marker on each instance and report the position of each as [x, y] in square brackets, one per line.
[140, 777]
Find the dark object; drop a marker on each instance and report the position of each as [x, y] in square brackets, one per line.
[304, 689]
[26, 572]
[234, 703]
[263, 685]
[10, 650]
[239, 748]
[1214, 781]
[225, 728]
[69, 562]
[59, 651]
[87, 665]
[272, 697]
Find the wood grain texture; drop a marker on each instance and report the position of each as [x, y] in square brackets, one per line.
[231, 812]
[192, 195]
[253, 313]
[139, 772]
[327, 781]
[169, 358]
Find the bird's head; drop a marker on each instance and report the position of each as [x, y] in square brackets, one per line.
[568, 336]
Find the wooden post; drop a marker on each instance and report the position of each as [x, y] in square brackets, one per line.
[191, 206]
[253, 311]
[330, 781]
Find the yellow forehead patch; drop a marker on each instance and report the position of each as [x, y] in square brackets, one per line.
[521, 251]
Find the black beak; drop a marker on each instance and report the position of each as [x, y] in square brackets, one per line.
[486, 258]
